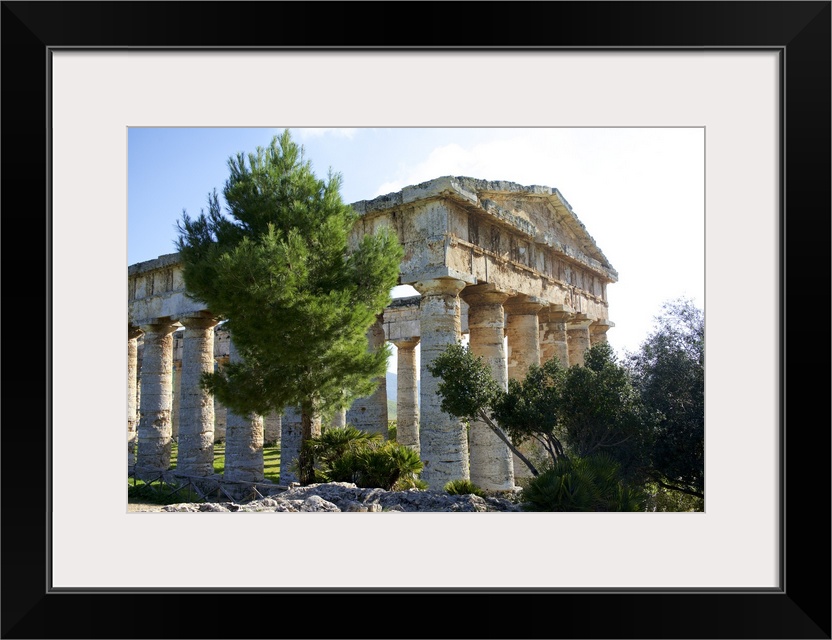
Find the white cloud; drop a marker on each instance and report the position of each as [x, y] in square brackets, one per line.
[448, 159]
[521, 158]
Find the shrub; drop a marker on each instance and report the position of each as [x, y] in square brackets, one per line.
[347, 454]
[582, 484]
[662, 499]
[463, 488]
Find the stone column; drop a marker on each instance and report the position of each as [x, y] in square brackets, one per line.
[339, 416]
[523, 332]
[339, 419]
[243, 441]
[177, 397]
[492, 466]
[370, 413]
[442, 439]
[133, 334]
[271, 429]
[553, 339]
[196, 406]
[290, 438]
[220, 418]
[598, 331]
[579, 341]
[154, 432]
[407, 394]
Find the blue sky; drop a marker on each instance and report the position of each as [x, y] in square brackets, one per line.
[639, 191]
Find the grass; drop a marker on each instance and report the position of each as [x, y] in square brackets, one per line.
[271, 463]
[160, 493]
[271, 460]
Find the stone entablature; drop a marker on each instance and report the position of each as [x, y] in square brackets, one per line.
[519, 254]
[156, 290]
[523, 240]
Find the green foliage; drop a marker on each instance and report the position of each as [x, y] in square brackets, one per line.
[392, 430]
[467, 390]
[161, 493]
[662, 499]
[593, 483]
[348, 454]
[669, 373]
[599, 410]
[530, 408]
[335, 442]
[580, 411]
[466, 386]
[463, 488]
[297, 298]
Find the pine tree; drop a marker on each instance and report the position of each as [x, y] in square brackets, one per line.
[297, 299]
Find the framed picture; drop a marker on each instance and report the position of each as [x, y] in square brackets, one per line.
[754, 75]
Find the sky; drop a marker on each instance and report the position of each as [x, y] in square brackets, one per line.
[640, 192]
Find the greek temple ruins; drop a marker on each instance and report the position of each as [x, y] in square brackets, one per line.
[510, 266]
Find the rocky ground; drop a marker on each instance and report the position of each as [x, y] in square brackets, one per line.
[347, 497]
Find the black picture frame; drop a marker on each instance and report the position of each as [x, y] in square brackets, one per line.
[799, 31]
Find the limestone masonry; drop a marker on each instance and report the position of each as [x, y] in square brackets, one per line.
[511, 266]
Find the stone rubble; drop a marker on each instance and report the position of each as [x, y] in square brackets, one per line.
[338, 497]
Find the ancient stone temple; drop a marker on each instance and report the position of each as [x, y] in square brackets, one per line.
[509, 266]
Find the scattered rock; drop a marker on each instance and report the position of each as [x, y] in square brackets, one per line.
[336, 497]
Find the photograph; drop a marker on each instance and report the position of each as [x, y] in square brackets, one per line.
[474, 225]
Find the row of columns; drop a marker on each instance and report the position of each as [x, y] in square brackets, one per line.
[150, 439]
[535, 332]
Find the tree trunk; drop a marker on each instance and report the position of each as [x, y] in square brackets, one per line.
[502, 436]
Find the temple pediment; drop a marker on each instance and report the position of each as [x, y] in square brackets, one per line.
[523, 239]
[539, 214]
